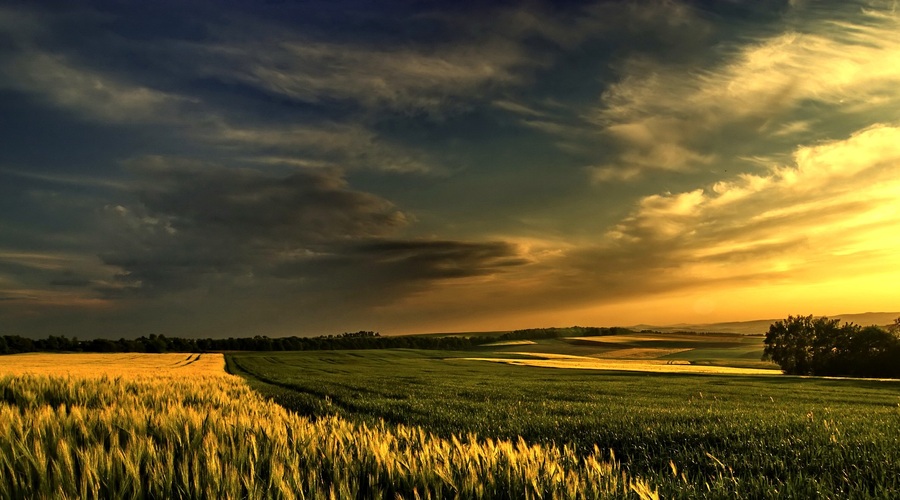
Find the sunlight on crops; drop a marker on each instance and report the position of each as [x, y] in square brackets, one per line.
[549, 360]
[129, 365]
[642, 352]
[509, 342]
[667, 337]
[165, 428]
[620, 339]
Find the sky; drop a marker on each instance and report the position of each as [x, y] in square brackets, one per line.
[240, 168]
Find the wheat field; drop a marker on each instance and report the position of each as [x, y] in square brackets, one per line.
[127, 365]
[178, 426]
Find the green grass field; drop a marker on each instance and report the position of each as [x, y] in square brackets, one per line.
[692, 435]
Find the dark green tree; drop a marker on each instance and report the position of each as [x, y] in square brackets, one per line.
[790, 343]
[803, 345]
[895, 328]
[870, 352]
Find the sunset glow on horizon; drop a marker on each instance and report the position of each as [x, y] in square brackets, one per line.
[312, 168]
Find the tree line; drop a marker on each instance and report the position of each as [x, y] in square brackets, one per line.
[804, 345]
[14, 344]
[555, 332]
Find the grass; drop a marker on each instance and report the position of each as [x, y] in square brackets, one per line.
[178, 426]
[690, 435]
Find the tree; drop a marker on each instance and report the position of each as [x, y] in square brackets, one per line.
[868, 353]
[895, 328]
[803, 345]
[789, 343]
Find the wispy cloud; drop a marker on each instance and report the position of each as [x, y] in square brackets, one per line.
[93, 94]
[405, 79]
[671, 117]
[35, 260]
[519, 109]
[33, 281]
[479, 56]
[64, 81]
[338, 145]
[73, 180]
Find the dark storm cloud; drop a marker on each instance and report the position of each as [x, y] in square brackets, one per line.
[416, 263]
[195, 219]
[71, 282]
[197, 225]
[443, 259]
[304, 207]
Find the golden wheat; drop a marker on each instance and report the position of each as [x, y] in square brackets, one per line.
[129, 365]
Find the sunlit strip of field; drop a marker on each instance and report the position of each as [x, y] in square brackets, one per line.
[643, 353]
[648, 365]
[667, 337]
[129, 365]
[509, 342]
[175, 431]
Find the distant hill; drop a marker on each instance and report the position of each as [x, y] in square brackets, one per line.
[761, 326]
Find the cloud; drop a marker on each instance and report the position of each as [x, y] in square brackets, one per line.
[173, 106]
[518, 108]
[330, 144]
[35, 260]
[667, 116]
[195, 219]
[244, 233]
[72, 282]
[468, 59]
[607, 173]
[109, 99]
[25, 276]
[427, 260]
[800, 221]
[308, 233]
[91, 93]
[404, 78]
[69, 180]
[828, 214]
[593, 38]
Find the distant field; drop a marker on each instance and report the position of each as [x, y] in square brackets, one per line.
[129, 365]
[730, 436]
[737, 353]
[632, 365]
[508, 343]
